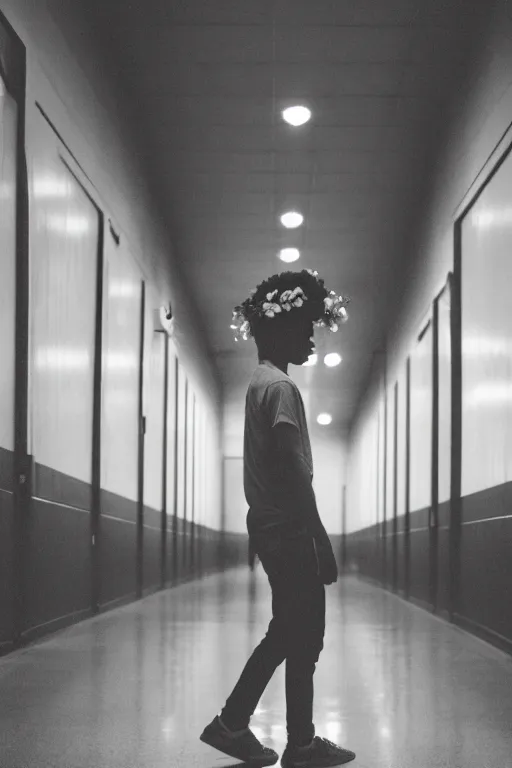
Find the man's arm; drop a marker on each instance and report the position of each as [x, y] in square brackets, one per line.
[296, 479]
[299, 496]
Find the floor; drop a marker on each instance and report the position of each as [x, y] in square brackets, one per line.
[134, 687]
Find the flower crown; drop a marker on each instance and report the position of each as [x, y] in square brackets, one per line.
[274, 304]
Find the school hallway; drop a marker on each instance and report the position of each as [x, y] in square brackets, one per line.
[134, 687]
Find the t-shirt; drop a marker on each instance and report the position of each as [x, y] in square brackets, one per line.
[272, 397]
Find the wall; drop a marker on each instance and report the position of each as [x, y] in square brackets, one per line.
[80, 153]
[480, 114]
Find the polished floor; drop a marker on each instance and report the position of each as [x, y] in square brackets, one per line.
[133, 688]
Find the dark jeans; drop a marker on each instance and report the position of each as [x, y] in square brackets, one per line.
[295, 633]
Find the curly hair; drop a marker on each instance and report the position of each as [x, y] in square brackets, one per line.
[313, 287]
[262, 329]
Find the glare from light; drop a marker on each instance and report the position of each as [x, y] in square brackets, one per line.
[332, 359]
[73, 226]
[168, 728]
[292, 219]
[493, 395]
[62, 359]
[483, 219]
[6, 190]
[289, 254]
[121, 361]
[297, 115]
[333, 730]
[123, 289]
[50, 187]
[312, 360]
[324, 419]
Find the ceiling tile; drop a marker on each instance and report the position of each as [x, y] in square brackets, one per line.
[343, 44]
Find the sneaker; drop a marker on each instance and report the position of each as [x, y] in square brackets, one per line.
[243, 745]
[321, 753]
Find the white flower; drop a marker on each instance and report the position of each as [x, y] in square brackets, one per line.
[269, 313]
[328, 302]
[298, 302]
[286, 295]
[276, 307]
[270, 296]
[287, 306]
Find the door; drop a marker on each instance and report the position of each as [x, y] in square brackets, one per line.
[65, 229]
[8, 190]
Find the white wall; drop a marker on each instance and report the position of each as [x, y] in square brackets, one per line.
[63, 76]
[481, 112]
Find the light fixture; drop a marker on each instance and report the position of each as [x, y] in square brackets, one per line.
[297, 115]
[289, 254]
[292, 219]
[332, 359]
[324, 418]
[312, 360]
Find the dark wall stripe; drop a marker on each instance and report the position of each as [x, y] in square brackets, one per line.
[6, 469]
[52, 485]
[58, 570]
[6, 568]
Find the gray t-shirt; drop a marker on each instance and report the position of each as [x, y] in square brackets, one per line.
[272, 397]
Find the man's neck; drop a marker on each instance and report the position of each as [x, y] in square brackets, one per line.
[283, 366]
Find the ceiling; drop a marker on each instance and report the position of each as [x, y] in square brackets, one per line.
[203, 83]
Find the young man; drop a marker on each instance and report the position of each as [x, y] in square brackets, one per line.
[283, 522]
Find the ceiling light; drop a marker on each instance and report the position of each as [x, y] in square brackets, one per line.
[292, 219]
[332, 359]
[312, 360]
[296, 115]
[324, 418]
[289, 254]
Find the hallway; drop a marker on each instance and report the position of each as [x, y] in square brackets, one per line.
[134, 687]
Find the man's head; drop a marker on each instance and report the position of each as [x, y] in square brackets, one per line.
[282, 312]
[287, 335]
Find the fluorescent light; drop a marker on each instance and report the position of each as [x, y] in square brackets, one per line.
[324, 418]
[297, 115]
[289, 254]
[292, 219]
[332, 359]
[312, 360]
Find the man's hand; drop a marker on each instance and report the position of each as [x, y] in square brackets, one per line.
[328, 569]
